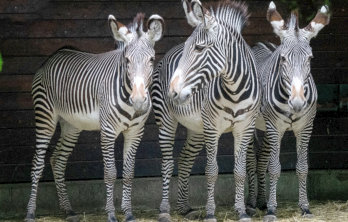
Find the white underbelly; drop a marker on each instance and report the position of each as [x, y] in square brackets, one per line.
[193, 122]
[83, 121]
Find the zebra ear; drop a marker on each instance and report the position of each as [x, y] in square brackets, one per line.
[202, 14]
[191, 18]
[320, 20]
[119, 31]
[275, 19]
[155, 26]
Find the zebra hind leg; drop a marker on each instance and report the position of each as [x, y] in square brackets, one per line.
[65, 146]
[251, 172]
[166, 140]
[193, 145]
[46, 123]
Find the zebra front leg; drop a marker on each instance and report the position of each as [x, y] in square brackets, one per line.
[132, 140]
[45, 123]
[243, 138]
[108, 138]
[211, 171]
[193, 145]
[59, 159]
[166, 140]
[274, 169]
[251, 171]
[302, 140]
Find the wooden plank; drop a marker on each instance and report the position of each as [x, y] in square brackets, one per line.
[15, 83]
[15, 101]
[21, 6]
[152, 167]
[17, 119]
[45, 47]
[26, 65]
[9, 136]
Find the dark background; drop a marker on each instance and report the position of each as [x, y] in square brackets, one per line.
[31, 30]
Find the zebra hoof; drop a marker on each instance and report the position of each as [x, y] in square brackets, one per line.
[29, 218]
[164, 217]
[210, 218]
[269, 218]
[192, 214]
[112, 218]
[244, 218]
[251, 211]
[307, 214]
[73, 218]
[130, 218]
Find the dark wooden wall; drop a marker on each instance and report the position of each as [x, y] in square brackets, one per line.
[31, 30]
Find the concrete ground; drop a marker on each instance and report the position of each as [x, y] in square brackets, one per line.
[88, 197]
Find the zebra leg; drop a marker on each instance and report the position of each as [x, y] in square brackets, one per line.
[243, 138]
[166, 140]
[261, 169]
[302, 140]
[193, 145]
[65, 146]
[45, 122]
[132, 139]
[274, 169]
[211, 171]
[108, 138]
[251, 171]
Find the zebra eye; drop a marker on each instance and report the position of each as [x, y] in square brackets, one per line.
[199, 48]
[127, 61]
[152, 59]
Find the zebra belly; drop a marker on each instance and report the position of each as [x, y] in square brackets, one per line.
[193, 122]
[83, 121]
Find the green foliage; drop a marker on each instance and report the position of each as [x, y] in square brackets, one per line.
[307, 8]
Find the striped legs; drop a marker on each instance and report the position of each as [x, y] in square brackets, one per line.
[108, 138]
[243, 138]
[271, 150]
[193, 145]
[211, 171]
[302, 140]
[59, 159]
[45, 123]
[251, 171]
[132, 139]
[166, 140]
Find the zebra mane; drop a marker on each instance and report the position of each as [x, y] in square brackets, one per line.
[136, 26]
[292, 23]
[233, 14]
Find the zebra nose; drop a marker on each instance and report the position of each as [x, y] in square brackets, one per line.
[297, 105]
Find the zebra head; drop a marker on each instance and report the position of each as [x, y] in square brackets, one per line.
[205, 52]
[138, 55]
[295, 52]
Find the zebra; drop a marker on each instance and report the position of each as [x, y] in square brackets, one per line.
[107, 92]
[289, 98]
[210, 86]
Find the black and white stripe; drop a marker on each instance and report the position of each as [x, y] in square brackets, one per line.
[289, 98]
[217, 68]
[105, 92]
